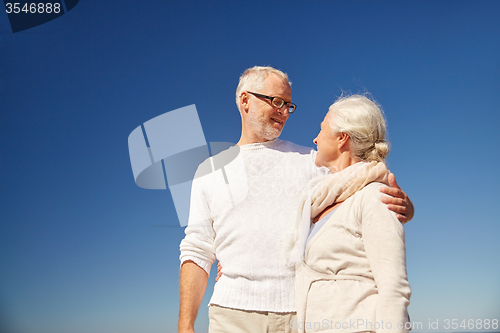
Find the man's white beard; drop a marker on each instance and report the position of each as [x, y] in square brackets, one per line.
[263, 128]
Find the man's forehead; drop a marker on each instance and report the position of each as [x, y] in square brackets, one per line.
[276, 78]
[277, 84]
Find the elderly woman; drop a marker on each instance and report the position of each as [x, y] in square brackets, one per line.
[350, 249]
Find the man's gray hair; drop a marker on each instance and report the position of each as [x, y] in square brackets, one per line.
[253, 80]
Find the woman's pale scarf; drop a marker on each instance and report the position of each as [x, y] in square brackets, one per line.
[332, 188]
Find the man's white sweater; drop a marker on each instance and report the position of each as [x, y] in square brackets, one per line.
[242, 215]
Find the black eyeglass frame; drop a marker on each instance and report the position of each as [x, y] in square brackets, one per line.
[291, 107]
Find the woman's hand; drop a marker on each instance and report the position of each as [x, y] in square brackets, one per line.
[398, 201]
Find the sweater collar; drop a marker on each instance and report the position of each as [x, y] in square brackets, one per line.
[261, 145]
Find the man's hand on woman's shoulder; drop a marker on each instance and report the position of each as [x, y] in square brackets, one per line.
[398, 201]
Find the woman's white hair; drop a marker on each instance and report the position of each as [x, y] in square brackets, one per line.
[364, 122]
[253, 80]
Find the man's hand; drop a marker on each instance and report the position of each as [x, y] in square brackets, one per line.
[193, 283]
[398, 201]
[219, 271]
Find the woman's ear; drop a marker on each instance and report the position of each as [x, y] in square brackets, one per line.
[342, 140]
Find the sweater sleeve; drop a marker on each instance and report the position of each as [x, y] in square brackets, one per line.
[198, 244]
[384, 240]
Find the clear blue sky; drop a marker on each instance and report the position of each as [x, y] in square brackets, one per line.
[83, 249]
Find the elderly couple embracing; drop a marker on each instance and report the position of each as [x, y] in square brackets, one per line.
[308, 241]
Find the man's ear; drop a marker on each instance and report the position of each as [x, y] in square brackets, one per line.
[244, 100]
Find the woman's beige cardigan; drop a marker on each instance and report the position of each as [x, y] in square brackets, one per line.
[353, 277]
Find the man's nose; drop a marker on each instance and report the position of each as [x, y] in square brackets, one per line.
[284, 110]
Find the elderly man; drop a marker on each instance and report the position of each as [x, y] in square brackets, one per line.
[242, 216]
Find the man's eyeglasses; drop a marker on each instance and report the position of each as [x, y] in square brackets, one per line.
[276, 102]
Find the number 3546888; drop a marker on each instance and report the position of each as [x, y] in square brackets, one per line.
[471, 324]
[33, 8]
